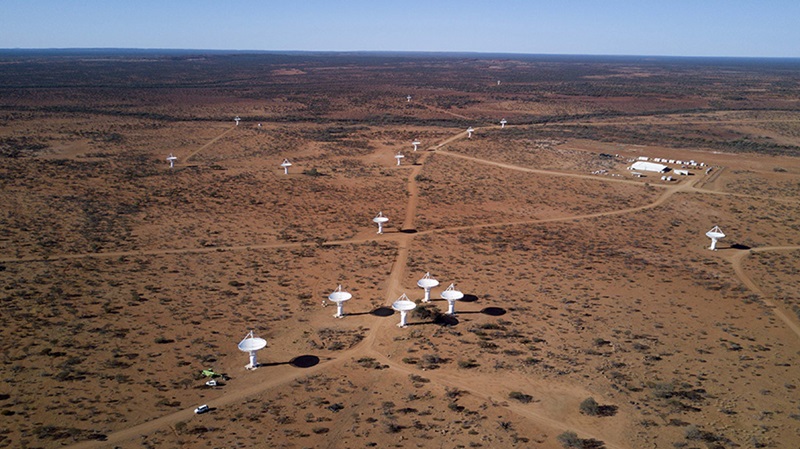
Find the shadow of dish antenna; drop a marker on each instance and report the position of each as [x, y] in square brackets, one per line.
[252, 344]
[304, 361]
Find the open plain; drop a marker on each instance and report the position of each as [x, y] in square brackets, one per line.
[122, 279]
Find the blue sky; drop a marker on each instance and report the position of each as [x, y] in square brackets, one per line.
[759, 28]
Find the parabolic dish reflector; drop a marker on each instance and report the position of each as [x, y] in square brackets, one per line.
[714, 235]
[427, 283]
[380, 219]
[340, 296]
[252, 344]
[452, 295]
[404, 305]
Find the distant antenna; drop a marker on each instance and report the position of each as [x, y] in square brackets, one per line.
[503, 123]
[380, 219]
[408, 98]
[451, 295]
[171, 159]
[415, 143]
[498, 82]
[403, 305]
[286, 164]
[398, 156]
[252, 344]
[715, 234]
[427, 283]
[469, 132]
[339, 297]
[236, 119]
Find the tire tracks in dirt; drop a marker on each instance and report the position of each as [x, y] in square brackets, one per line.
[209, 143]
[736, 260]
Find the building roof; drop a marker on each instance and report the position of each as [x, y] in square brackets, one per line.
[649, 166]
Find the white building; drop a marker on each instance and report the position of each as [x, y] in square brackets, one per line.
[649, 166]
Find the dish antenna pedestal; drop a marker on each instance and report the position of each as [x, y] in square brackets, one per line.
[451, 295]
[286, 164]
[403, 305]
[503, 123]
[415, 143]
[252, 344]
[339, 297]
[715, 234]
[427, 283]
[380, 219]
[236, 119]
[171, 159]
[469, 132]
[398, 156]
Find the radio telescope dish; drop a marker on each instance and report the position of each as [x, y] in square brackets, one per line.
[286, 164]
[470, 130]
[398, 156]
[339, 297]
[427, 283]
[403, 305]
[415, 143]
[503, 123]
[251, 344]
[715, 234]
[380, 219]
[171, 159]
[451, 295]
[408, 99]
[236, 119]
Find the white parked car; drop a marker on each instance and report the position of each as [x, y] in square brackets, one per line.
[202, 409]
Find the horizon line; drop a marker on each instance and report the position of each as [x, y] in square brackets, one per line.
[375, 52]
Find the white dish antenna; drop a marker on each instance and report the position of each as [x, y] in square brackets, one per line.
[237, 119]
[415, 143]
[427, 283]
[251, 344]
[715, 234]
[339, 296]
[408, 98]
[403, 305]
[503, 123]
[451, 295]
[398, 156]
[286, 164]
[469, 132]
[171, 159]
[380, 220]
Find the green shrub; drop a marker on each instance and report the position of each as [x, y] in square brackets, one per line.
[590, 407]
